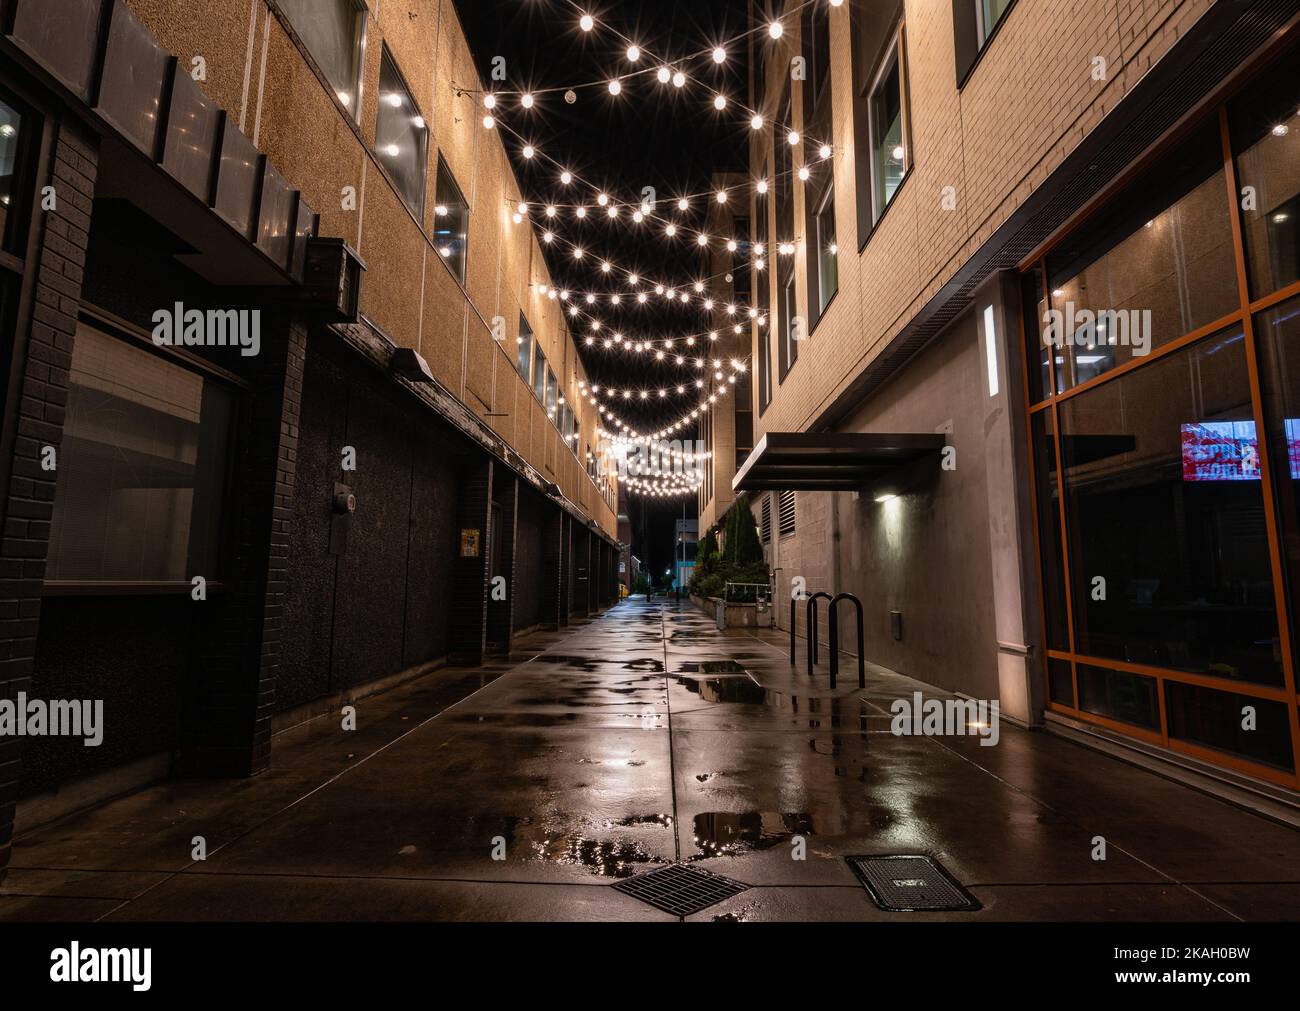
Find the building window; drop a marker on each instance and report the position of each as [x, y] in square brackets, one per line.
[1155, 264]
[451, 222]
[1265, 123]
[828, 250]
[11, 162]
[763, 349]
[988, 15]
[785, 513]
[539, 375]
[525, 352]
[552, 396]
[401, 137]
[142, 469]
[974, 22]
[888, 127]
[815, 38]
[789, 334]
[334, 33]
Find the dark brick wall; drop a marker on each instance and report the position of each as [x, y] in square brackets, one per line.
[529, 550]
[469, 590]
[381, 606]
[231, 698]
[502, 564]
[44, 353]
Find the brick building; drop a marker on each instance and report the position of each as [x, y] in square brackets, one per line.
[383, 465]
[1090, 530]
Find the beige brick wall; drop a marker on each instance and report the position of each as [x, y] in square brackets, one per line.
[256, 72]
[1028, 103]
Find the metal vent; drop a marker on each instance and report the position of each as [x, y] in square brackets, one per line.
[911, 884]
[785, 512]
[765, 527]
[680, 889]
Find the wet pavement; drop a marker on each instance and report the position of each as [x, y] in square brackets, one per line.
[642, 739]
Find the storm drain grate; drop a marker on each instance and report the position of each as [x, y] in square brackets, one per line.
[911, 884]
[680, 889]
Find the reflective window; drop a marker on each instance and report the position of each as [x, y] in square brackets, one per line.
[525, 352]
[1168, 553]
[451, 222]
[144, 456]
[1277, 336]
[11, 125]
[1155, 263]
[1214, 719]
[828, 250]
[889, 154]
[552, 394]
[989, 13]
[1265, 122]
[401, 137]
[1119, 695]
[333, 32]
[539, 375]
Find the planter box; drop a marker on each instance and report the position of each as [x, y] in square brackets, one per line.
[734, 615]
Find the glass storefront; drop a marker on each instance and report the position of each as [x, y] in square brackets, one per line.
[1167, 339]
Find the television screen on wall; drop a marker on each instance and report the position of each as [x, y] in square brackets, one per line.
[1229, 451]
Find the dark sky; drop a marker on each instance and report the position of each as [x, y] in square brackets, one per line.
[650, 135]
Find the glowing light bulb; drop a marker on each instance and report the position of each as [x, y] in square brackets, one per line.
[526, 101]
[719, 55]
[634, 53]
[566, 177]
[756, 121]
[719, 102]
[529, 150]
[664, 75]
[792, 137]
[825, 151]
[679, 80]
[489, 122]
[615, 86]
[761, 187]
[722, 196]
[587, 22]
[489, 101]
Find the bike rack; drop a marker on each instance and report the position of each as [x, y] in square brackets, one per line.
[811, 620]
[835, 639]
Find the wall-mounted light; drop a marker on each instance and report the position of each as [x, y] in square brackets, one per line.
[991, 349]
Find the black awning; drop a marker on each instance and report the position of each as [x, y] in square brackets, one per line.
[829, 461]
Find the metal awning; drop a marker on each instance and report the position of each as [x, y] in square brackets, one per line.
[829, 461]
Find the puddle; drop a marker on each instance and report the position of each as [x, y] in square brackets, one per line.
[606, 858]
[743, 689]
[712, 667]
[721, 833]
[592, 664]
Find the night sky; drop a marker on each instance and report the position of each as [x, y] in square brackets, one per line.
[650, 135]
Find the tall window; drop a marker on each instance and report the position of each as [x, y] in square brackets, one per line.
[1265, 122]
[11, 133]
[828, 250]
[763, 346]
[451, 222]
[401, 137]
[786, 349]
[887, 116]
[525, 352]
[142, 470]
[539, 375]
[989, 14]
[552, 396]
[334, 32]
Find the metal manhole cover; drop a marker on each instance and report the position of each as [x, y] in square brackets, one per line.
[911, 884]
[680, 889]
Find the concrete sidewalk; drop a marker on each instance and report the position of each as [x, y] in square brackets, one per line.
[603, 752]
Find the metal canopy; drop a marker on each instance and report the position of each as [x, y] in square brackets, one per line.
[829, 461]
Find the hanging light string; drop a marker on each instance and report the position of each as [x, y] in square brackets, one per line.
[663, 69]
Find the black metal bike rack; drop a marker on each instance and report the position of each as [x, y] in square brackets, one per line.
[811, 620]
[835, 639]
